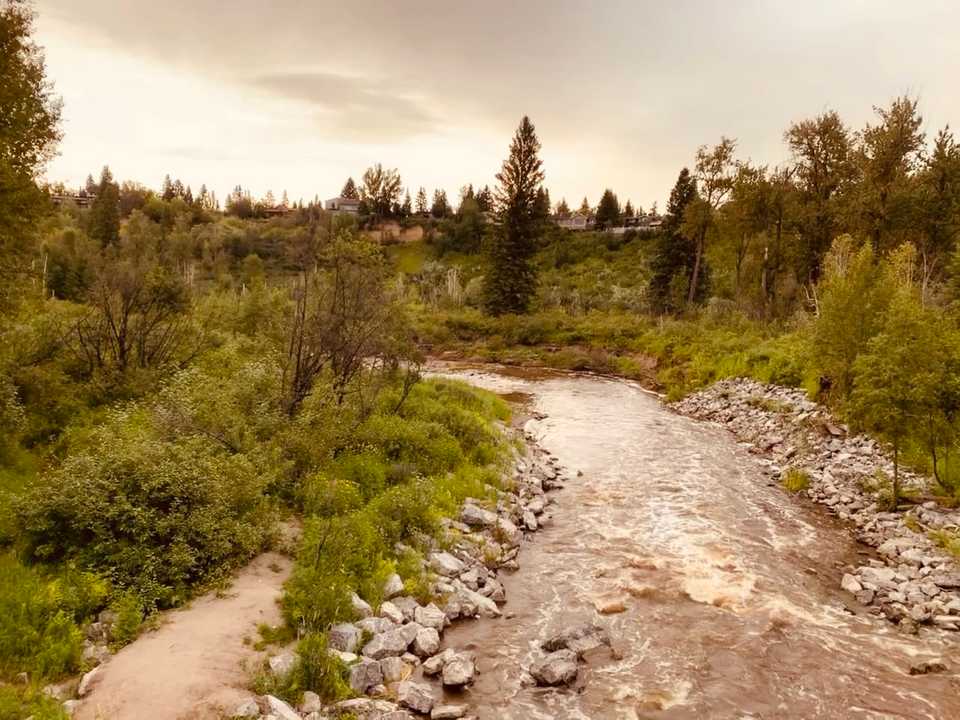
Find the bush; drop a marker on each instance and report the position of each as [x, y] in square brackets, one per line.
[795, 480]
[39, 616]
[155, 517]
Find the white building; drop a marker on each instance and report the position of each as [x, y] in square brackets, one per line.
[342, 204]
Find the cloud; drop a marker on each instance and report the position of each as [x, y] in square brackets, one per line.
[357, 109]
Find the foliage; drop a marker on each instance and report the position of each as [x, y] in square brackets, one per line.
[510, 281]
[795, 480]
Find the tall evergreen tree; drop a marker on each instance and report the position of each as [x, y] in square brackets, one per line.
[441, 207]
[585, 208]
[563, 210]
[485, 199]
[105, 211]
[421, 201]
[608, 211]
[674, 254]
[628, 211]
[349, 190]
[510, 281]
[407, 208]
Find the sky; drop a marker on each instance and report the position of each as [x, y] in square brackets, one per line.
[298, 95]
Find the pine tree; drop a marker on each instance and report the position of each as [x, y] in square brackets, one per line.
[407, 208]
[628, 211]
[485, 199]
[421, 201]
[105, 211]
[674, 254]
[166, 190]
[608, 211]
[585, 208]
[510, 281]
[563, 210]
[90, 187]
[440, 208]
[350, 190]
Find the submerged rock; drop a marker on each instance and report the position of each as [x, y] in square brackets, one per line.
[557, 668]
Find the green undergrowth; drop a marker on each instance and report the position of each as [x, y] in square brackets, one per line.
[795, 480]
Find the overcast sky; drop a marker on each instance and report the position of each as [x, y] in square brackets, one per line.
[294, 95]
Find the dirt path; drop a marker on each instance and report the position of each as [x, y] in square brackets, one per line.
[193, 666]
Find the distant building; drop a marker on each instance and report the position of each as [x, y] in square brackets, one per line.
[576, 221]
[342, 204]
[276, 210]
[78, 199]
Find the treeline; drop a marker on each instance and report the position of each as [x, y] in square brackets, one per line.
[758, 234]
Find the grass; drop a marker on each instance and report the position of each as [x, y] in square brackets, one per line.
[949, 540]
[795, 480]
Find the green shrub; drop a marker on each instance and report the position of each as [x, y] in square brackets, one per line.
[39, 616]
[156, 517]
[129, 618]
[795, 480]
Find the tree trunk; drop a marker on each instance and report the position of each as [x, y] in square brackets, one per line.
[695, 279]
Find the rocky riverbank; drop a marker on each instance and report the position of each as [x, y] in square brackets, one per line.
[912, 581]
[393, 655]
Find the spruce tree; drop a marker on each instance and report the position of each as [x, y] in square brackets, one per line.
[421, 201]
[510, 280]
[350, 191]
[105, 211]
[675, 254]
[608, 211]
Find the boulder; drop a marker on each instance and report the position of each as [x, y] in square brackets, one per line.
[850, 584]
[71, 706]
[344, 637]
[410, 630]
[364, 675]
[365, 708]
[557, 668]
[280, 709]
[283, 663]
[246, 709]
[427, 642]
[578, 638]
[391, 612]
[393, 642]
[407, 605]
[360, 606]
[509, 532]
[459, 670]
[448, 712]
[434, 665]
[477, 516]
[443, 563]
[415, 696]
[394, 669]
[393, 587]
[431, 616]
[375, 625]
[310, 703]
[928, 666]
[88, 681]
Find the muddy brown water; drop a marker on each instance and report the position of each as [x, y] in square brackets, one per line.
[730, 587]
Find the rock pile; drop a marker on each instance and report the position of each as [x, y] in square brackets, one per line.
[913, 581]
[394, 655]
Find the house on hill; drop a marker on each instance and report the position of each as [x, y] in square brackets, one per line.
[342, 204]
[575, 221]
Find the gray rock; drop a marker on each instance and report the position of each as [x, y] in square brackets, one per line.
[364, 675]
[375, 625]
[280, 709]
[427, 642]
[282, 664]
[448, 712]
[434, 665]
[71, 706]
[459, 670]
[431, 616]
[365, 708]
[850, 584]
[408, 606]
[393, 587]
[443, 563]
[928, 666]
[530, 521]
[557, 668]
[393, 642]
[360, 606]
[477, 516]
[88, 681]
[344, 637]
[509, 532]
[391, 612]
[410, 630]
[394, 669]
[578, 638]
[415, 696]
[310, 703]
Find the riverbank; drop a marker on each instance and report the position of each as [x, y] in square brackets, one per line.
[913, 580]
[392, 654]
